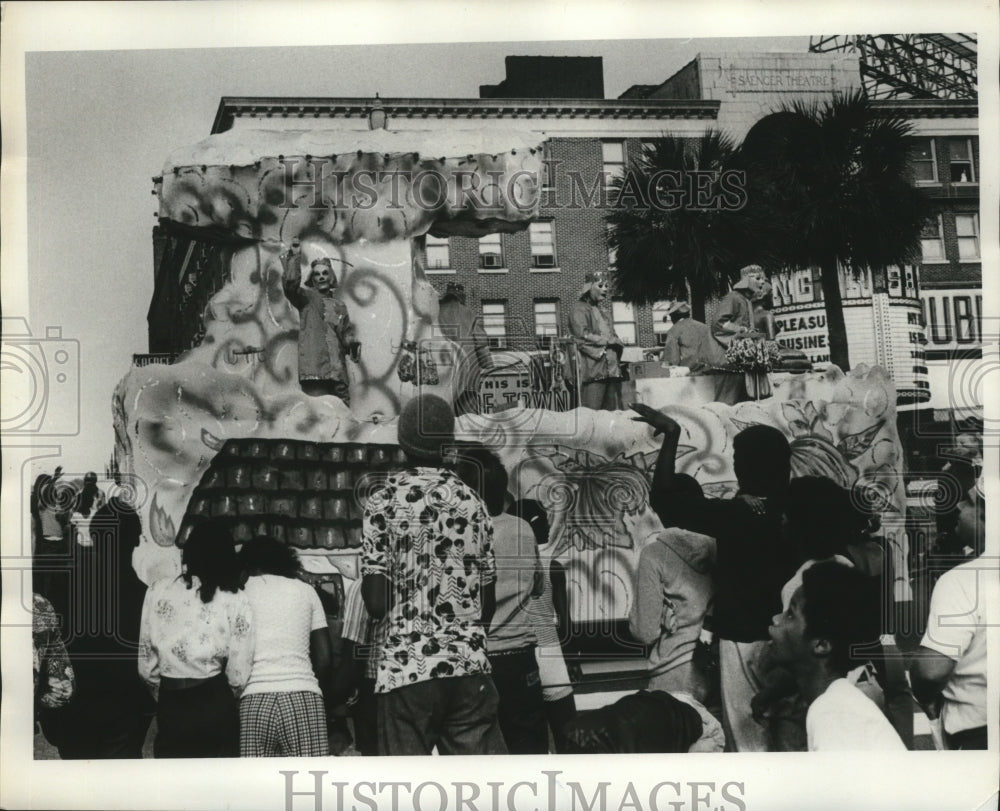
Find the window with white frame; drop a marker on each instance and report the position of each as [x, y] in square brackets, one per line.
[923, 159]
[543, 244]
[932, 241]
[967, 230]
[894, 280]
[962, 170]
[546, 320]
[438, 253]
[661, 320]
[623, 315]
[547, 171]
[490, 252]
[495, 322]
[613, 157]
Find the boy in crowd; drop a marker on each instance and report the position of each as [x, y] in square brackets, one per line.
[512, 640]
[814, 639]
[673, 594]
[360, 635]
[948, 672]
[752, 560]
[557, 689]
[428, 570]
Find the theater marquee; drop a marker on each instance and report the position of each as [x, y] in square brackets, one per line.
[883, 328]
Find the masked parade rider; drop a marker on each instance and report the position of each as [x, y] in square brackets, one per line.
[326, 333]
[690, 343]
[734, 318]
[598, 347]
[460, 324]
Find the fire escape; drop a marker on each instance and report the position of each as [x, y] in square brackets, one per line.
[915, 66]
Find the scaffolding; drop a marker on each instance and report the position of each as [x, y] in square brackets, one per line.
[915, 66]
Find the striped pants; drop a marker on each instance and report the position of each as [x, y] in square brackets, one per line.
[283, 724]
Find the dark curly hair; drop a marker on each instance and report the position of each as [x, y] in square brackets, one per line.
[687, 504]
[265, 555]
[841, 606]
[209, 555]
[762, 460]
[481, 469]
[821, 518]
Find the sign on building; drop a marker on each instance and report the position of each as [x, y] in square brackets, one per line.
[953, 319]
[527, 380]
[883, 328]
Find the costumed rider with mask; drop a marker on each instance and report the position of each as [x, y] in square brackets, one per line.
[690, 343]
[326, 333]
[598, 347]
[472, 356]
[734, 318]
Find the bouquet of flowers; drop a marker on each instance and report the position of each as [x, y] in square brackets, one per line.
[753, 355]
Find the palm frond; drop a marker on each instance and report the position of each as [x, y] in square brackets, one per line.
[669, 237]
[834, 180]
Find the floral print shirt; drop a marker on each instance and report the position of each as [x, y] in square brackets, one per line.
[53, 673]
[431, 536]
[183, 638]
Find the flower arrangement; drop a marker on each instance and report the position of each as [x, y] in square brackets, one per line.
[752, 355]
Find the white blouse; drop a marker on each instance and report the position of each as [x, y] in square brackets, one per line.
[81, 528]
[183, 638]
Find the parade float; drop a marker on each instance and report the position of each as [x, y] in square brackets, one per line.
[226, 432]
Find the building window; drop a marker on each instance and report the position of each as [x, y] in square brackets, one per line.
[613, 156]
[490, 252]
[546, 321]
[962, 170]
[932, 241]
[894, 280]
[924, 161]
[438, 253]
[967, 229]
[495, 322]
[543, 244]
[661, 321]
[623, 314]
[548, 171]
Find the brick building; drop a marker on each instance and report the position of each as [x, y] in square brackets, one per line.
[524, 283]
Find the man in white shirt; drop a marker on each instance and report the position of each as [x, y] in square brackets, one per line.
[949, 668]
[813, 638]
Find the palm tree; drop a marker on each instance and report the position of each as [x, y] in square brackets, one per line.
[667, 235]
[831, 186]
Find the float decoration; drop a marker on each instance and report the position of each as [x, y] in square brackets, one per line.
[238, 389]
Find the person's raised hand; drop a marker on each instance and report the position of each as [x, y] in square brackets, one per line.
[757, 504]
[659, 421]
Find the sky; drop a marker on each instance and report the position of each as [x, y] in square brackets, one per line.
[101, 123]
